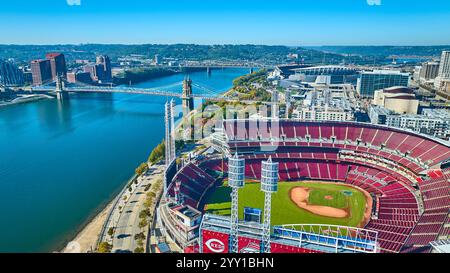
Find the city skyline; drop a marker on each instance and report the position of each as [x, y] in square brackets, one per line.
[304, 23]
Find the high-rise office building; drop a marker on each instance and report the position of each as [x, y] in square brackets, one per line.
[103, 68]
[10, 75]
[429, 71]
[41, 71]
[444, 71]
[79, 76]
[57, 64]
[100, 71]
[369, 81]
[93, 70]
[444, 68]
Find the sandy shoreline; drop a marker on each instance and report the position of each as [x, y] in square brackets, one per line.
[86, 239]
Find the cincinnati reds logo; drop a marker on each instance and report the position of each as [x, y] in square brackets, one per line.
[215, 245]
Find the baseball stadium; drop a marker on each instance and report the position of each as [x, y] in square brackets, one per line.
[310, 187]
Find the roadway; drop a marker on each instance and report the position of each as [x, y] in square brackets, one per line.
[125, 216]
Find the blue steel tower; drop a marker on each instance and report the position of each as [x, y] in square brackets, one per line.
[269, 185]
[236, 172]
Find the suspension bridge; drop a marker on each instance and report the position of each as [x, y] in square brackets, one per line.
[62, 91]
[202, 92]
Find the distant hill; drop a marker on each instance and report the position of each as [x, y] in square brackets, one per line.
[386, 51]
[255, 53]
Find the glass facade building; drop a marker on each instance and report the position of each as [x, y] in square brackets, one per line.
[10, 75]
[368, 82]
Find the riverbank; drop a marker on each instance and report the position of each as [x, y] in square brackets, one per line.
[25, 99]
[86, 239]
[139, 75]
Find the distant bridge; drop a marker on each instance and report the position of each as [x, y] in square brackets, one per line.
[187, 96]
[165, 91]
[62, 91]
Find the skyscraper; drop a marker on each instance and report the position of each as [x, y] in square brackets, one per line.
[444, 71]
[444, 68]
[41, 71]
[429, 71]
[10, 75]
[100, 71]
[57, 64]
[369, 81]
[103, 68]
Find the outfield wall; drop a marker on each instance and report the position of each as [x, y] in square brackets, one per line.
[218, 242]
[215, 238]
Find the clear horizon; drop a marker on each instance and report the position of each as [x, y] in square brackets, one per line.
[295, 23]
[212, 44]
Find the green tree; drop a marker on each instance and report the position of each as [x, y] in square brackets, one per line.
[158, 153]
[139, 249]
[111, 231]
[139, 236]
[141, 169]
[148, 202]
[144, 214]
[142, 223]
[104, 247]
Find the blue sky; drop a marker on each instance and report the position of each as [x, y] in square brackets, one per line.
[298, 22]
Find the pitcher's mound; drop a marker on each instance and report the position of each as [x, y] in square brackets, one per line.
[299, 195]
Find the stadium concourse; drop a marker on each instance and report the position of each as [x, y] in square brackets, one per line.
[406, 174]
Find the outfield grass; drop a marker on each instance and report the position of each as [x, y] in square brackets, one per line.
[284, 211]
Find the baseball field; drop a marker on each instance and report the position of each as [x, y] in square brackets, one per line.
[306, 202]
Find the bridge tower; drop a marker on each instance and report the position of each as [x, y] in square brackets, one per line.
[188, 100]
[236, 171]
[61, 94]
[269, 185]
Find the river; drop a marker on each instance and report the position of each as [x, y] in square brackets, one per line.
[62, 162]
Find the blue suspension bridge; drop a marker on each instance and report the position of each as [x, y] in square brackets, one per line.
[203, 92]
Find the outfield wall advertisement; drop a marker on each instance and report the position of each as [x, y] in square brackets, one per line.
[249, 245]
[214, 242]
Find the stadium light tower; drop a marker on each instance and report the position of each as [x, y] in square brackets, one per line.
[169, 140]
[275, 113]
[236, 172]
[269, 185]
[172, 130]
[287, 96]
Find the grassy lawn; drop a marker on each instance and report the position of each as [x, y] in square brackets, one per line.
[284, 211]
